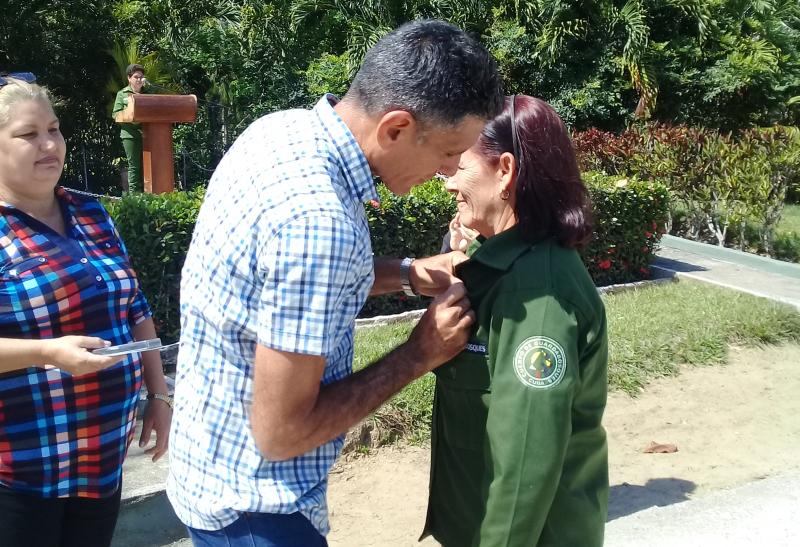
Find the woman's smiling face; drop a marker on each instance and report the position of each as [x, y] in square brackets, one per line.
[478, 187]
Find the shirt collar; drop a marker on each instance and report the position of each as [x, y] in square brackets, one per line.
[62, 195]
[350, 157]
[500, 251]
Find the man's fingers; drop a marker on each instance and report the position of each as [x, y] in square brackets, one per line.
[457, 257]
[467, 319]
[454, 293]
[162, 443]
[156, 452]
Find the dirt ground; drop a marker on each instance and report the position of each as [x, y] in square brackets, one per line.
[731, 424]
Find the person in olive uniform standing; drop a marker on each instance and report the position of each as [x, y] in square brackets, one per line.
[519, 455]
[131, 133]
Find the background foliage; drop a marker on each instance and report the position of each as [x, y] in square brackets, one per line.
[722, 64]
[727, 188]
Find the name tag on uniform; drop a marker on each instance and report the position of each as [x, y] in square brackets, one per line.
[476, 348]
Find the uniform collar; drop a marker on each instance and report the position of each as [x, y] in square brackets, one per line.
[351, 158]
[500, 251]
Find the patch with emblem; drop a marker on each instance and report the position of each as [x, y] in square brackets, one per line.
[540, 362]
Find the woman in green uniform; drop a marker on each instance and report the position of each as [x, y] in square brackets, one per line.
[131, 133]
[519, 455]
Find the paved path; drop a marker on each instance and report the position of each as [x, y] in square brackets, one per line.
[762, 513]
[745, 272]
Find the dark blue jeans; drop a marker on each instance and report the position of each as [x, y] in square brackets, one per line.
[262, 530]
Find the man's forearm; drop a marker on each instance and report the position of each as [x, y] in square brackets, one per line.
[341, 405]
[292, 413]
[387, 276]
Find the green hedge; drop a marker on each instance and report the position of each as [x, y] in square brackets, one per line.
[157, 230]
[630, 218]
[410, 225]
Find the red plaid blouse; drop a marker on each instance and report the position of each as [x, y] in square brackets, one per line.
[64, 435]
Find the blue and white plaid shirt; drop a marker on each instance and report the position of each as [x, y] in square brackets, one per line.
[281, 257]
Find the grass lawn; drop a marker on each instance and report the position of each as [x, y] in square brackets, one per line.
[790, 219]
[651, 332]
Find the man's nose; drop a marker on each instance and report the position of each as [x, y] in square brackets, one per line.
[449, 169]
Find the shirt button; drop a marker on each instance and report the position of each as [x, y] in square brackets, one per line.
[42, 259]
[84, 260]
[108, 245]
[98, 278]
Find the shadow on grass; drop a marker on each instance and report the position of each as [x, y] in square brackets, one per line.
[626, 499]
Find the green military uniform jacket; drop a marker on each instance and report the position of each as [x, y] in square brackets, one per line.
[127, 130]
[519, 456]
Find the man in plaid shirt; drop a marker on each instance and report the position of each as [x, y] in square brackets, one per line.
[280, 265]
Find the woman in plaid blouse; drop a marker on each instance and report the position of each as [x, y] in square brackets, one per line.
[66, 287]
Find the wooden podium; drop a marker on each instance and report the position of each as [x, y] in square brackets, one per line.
[157, 113]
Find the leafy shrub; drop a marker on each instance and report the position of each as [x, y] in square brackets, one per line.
[328, 74]
[721, 184]
[410, 225]
[786, 246]
[157, 230]
[606, 152]
[413, 224]
[630, 217]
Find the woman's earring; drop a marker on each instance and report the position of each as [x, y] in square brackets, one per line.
[504, 195]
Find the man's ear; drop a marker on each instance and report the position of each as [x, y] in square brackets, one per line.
[395, 126]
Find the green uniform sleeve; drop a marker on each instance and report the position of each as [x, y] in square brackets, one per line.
[533, 350]
[119, 102]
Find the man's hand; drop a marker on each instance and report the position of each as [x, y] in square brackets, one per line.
[433, 275]
[72, 354]
[443, 331]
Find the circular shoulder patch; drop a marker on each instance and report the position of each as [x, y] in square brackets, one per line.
[540, 362]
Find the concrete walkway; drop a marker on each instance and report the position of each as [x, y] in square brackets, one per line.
[146, 518]
[744, 272]
[760, 513]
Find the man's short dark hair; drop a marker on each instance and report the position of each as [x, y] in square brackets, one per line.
[433, 70]
[133, 68]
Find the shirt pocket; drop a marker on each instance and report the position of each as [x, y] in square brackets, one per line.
[33, 287]
[19, 268]
[463, 393]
